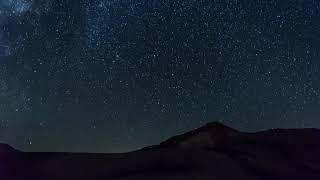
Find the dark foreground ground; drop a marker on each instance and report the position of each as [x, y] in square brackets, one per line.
[218, 153]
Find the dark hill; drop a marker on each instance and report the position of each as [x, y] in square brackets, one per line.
[211, 152]
[4, 148]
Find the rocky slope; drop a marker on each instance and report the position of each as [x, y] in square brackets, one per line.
[211, 152]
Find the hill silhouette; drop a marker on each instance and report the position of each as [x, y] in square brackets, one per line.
[213, 151]
[5, 148]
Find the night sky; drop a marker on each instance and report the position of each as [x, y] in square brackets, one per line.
[117, 75]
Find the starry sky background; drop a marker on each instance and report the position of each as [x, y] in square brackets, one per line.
[116, 75]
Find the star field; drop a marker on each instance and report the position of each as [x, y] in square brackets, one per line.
[113, 76]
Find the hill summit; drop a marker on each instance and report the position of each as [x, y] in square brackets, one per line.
[211, 135]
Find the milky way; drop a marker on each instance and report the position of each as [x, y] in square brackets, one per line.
[110, 76]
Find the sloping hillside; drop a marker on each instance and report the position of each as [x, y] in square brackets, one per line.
[210, 152]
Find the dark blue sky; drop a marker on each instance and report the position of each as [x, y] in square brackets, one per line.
[111, 76]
